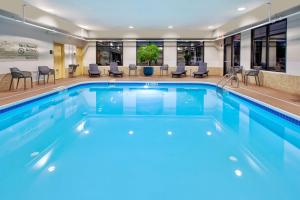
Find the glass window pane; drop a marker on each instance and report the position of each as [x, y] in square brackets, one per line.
[260, 32]
[107, 52]
[269, 50]
[277, 28]
[236, 49]
[159, 44]
[190, 53]
[277, 49]
[259, 52]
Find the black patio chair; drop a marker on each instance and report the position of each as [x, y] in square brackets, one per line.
[164, 68]
[252, 72]
[180, 71]
[45, 71]
[132, 67]
[114, 70]
[16, 73]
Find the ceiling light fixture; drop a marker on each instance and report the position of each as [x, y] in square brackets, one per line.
[210, 27]
[241, 9]
[170, 27]
[48, 10]
[131, 27]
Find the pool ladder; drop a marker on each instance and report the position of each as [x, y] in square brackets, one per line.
[226, 78]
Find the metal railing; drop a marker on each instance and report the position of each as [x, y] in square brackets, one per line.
[230, 77]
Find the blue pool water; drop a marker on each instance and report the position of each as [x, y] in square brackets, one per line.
[147, 142]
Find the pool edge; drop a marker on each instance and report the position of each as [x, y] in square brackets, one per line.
[274, 110]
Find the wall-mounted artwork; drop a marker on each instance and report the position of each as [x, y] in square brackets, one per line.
[10, 50]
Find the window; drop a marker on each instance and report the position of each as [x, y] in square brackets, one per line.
[236, 48]
[232, 52]
[190, 53]
[159, 44]
[107, 52]
[269, 46]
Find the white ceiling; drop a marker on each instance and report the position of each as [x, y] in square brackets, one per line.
[149, 17]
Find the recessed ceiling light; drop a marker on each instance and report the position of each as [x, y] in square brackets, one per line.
[131, 27]
[49, 10]
[241, 9]
[211, 27]
[170, 27]
[83, 26]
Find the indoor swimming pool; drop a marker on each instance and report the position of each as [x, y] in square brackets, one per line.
[146, 141]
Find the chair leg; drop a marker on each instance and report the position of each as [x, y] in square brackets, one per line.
[11, 82]
[24, 83]
[31, 82]
[38, 78]
[18, 83]
[48, 78]
[54, 77]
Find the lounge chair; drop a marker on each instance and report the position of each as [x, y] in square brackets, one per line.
[180, 70]
[45, 71]
[94, 70]
[202, 70]
[132, 67]
[72, 70]
[16, 73]
[164, 68]
[114, 70]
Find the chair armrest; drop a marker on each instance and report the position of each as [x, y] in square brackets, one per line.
[26, 73]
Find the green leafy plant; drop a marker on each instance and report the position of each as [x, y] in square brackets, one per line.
[148, 54]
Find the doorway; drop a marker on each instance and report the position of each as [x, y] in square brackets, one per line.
[79, 61]
[59, 60]
[232, 49]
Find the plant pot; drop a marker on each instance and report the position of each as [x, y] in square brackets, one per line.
[148, 71]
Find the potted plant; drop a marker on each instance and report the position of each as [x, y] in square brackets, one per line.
[187, 57]
[149, 55]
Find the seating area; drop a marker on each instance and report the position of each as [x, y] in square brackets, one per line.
[142, 100]
[94, 71]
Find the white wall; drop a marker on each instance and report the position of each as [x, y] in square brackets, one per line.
[17, 32]
[170, 53]
[293, 46]
[213, 54]
[89, 54]
[45, 58]
[129, 53]
[70, 54]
